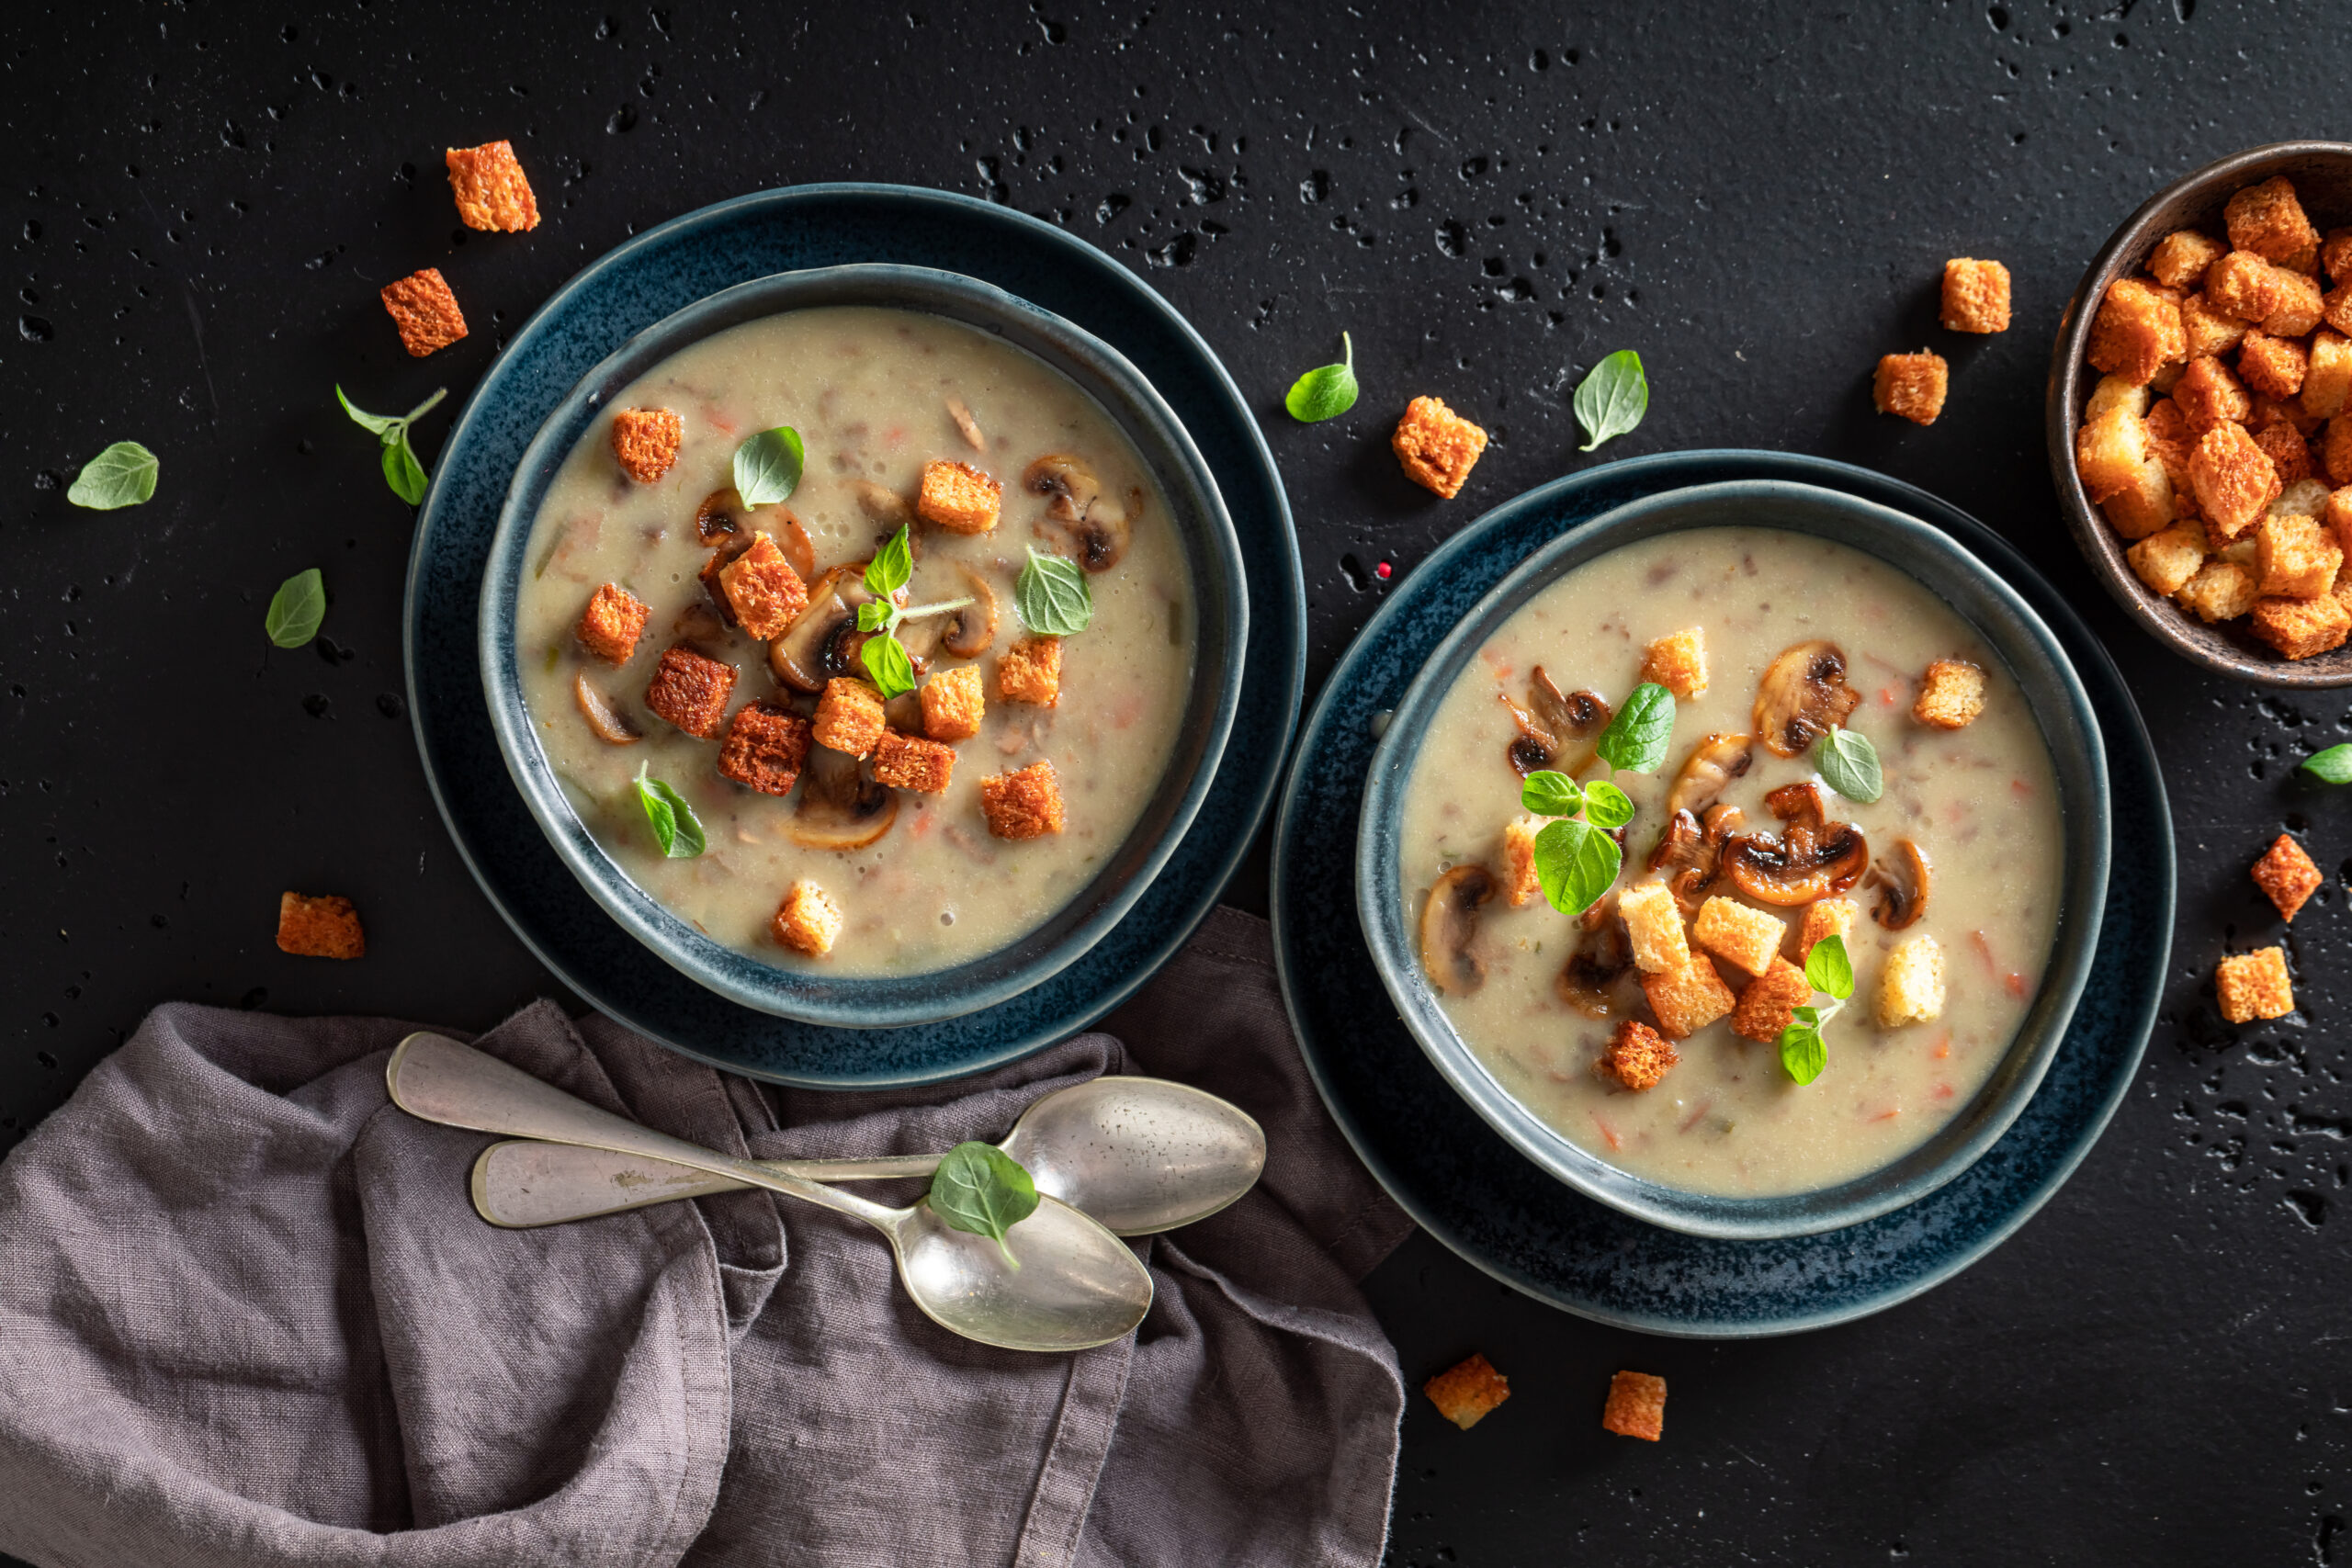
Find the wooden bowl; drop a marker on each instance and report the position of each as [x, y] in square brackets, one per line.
[2322, 172]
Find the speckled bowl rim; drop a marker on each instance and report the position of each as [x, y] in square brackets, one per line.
[2078, 758]
[1213, 551]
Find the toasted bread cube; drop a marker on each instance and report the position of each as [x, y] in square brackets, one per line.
[1912, 386]
[1637, 1057]
[2306, 497]
[424, 311]
[808, 920]
[2255, 984]
[2283, 303]
[1520, 881]
[2335, 307]
[690, 691]
[849, 717]
[2287, 877]
[1678, 662]
[646, 441]
[1464, 1395]
[2169, 441]
[2336, 518]
[1436, 447]
[2137, 331]
[1826, 918]
[2336, 255]
[1031, 671]
[2269, 412]
[2235, 480]
[2110, 451]
[2327, 380]
[491, 190]
[612, 621]
[2289, 454]
[2208, 394]
[1636, 1406]
[2294, 557]
[2167, 376]
[2222, 591]
[1024, 805]
[2181, 257]
[762, 589]
[1952, 693]
[1730, 930]
[906, 762]
[1976, 296]
[2167, 561]
[766, 746]
[2299, 628]
[952, 704]
[326, 926]
[2149, 505]
[1911, 985]
[1654, 923]
[2208, 329]
[1770, 1001]
[2115, 392]
[1687, 999]
[2335, 450]
[2268, 220]
[2272, 365]
[958, 496]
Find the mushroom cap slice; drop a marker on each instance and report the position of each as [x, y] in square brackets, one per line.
[1449, 923]
[794, 541]
[1097, 526]
[1576, 716]
[969, 632]
[611, 723]
[823, 640]
[1802, 694]
[1534, 748]
[1690, 853]
[1810, 858]
[1069, 480]
[882, 504]
[842, 806]
[1603, 953]
[1713, 763]
[1901, 881]
[718, 516]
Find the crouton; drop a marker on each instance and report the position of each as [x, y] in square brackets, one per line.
[1678, 662]
[2268, 220]
[646, 441]
[2167, 561]
[904, 762]
[2327, 379]
[1826, 918]
[424, 311]
[1654, 925]
[1437, 446]
[1911, 985]
[1732, 931]
[326, 926]
[2287, 877]
[2294, 558]
[2289, 454]
[2269, 412]
[2209, 394]
[1912, 386]
[1520, 881]
[1637, 1056]
[612, 621]
[1464, 1395]
[2306, 497]
[1976, 296]
[2335, 307]
[2272, 365]
[2137, 331]
[2336, 518]
[2235, 480]
[2169, 441]
[1636, 1406]
[491, 190]
[849, 717]
[2167, 375]
[2299, 628]
[952, 704]
[1687, 999]
[764, 749]
[2336, 255]
[762, 589]
[2255, 984]
[1952, 693]
[2115, 392]
[808, 920]
[2283, 303]
[1770, 1001]
[2122, 475]
[2222, 591]
[2335, 450]
[2181, 257]
[1031, 671]
[2208, 329]
[1024, 805]
[690, 691]
[958, 496]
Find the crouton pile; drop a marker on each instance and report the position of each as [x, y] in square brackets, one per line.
[2217, 439]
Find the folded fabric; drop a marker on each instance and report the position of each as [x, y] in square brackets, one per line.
[248, 1317]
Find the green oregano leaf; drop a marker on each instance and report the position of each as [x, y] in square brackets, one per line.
[1326, 392]
[1635, 740]
[403, 470]
[887, 664]
[767, 465]
[1612, 399]
[1606, 806]
[1828, 968]
[675, 826]
[1848, 764]
[1052, 596]
[297, 609]
[1576, 863]
[892, 565]
[874, 615]
[1803, 1054]
[2331, 766]
[1550, 793]
[122, 474]
[982, 1190]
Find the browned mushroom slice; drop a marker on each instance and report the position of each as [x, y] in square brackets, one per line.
[1604, 952]
[1708, 770]
[1095, 525]
[961, 413]
[606, 719]
[1449, 924]
[1068, 481]
[1534, 747]
[841, 807]
[969, 632]
[1802, 695]
[1568, 718]
[1901, 884]
[792, 540]
[715, 517]
[823, 640]
[1810, 858]
[884, 505]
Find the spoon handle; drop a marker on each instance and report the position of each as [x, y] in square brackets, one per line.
[522, 1182]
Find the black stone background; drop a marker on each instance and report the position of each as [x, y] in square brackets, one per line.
[200, 201]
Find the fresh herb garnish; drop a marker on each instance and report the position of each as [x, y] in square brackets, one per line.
[887, 663]
[296, 609]
[1606, 806]
[1327, 390]
[1612, 399]
[1848, 764]
[2331, 766]
[401, 469]
[1827, 969]
[1576, 863]
[1635, 740]
[1052, 595]
[767, 465]
[981, 1189]
[675, 826]
[122, 474]
[1549, 793]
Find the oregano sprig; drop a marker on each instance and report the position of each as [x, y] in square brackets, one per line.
[1576, 861]
[402, 471]
[675, 826]
[887, 663]
[1830, 970]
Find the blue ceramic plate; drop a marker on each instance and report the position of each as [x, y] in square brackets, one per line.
[1221, 618]
[1471, 1188]
[647, 279]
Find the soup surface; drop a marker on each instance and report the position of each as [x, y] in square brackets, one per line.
[1980, 802]
[876, 395]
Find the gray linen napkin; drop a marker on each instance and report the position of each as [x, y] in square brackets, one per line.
[248, 1317]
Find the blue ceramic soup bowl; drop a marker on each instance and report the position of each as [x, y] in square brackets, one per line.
[1221, 630]
[2068, 727]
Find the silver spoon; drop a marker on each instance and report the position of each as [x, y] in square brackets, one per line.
[1078, 1285]
[1139, 1154]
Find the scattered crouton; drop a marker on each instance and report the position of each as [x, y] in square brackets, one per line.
[2167, 561]
[958, 496]
[808, 920]
[1770, 1001]
[646, 441]
[690, 690]
[2327, 382]
[2255, 984]
[1912, 385]
[1437, 446]
[2235, 480]
[2181, 257]
[1636, 1406]
[1654, 924]
[2222, 591]
[1031, 671]
[1976, 296]
[1911, 985]
[1826, 918]
[2287, 877]
[2289, 454]
[1952, 693]
[907, 761]
[2301, 628]
[1678, 662]
[612, 621]
[849, 717]
[765, 748]
[1520, 881]
[2208, 329]
[1748, 937]
[1687, 999]
[2268, 220]
[952, 704]
[326, 926]
[1637, 1056]
[1024, 805]
[2274, 366]
[2137, 330]
[2294, 557]
[424, 311]
[1464, 1393]
[491, 190]
[761, 588]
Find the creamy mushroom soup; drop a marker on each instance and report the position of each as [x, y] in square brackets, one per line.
[911, 879]
[1952, 873]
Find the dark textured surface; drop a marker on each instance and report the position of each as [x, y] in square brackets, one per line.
[201, 204]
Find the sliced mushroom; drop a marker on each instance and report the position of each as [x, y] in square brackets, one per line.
[1708, 771]
[1604, 952]
[1901, 884]
[884, 505]
[823, 640]
[1810, 858]
[1070, 480]
[1534, 747]
[1096, 527]
[842, 806]
[961, 413]
[792, 540]
[1689, 851]
[609, 722]
[720, 559]
[1802, 695]
[969, 632]
[715, 518]
[1100, 539]
[1449, 924]
[1577, 715]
